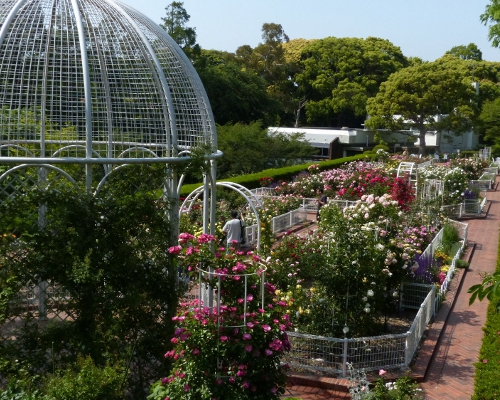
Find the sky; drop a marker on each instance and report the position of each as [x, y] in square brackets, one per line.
[420, 28]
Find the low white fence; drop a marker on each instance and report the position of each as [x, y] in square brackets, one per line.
[485, 182]
[321, 353]
[466, 209]
[286, 221]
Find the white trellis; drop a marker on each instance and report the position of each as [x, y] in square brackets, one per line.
[251, 198]
[432, 189]
[409, 171]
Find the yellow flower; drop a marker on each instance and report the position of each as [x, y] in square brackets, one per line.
[277, 292]
[298, 287]
[312, 290]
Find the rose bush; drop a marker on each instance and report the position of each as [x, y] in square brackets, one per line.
[233, 350]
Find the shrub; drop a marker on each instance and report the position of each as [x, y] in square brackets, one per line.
[86, 382]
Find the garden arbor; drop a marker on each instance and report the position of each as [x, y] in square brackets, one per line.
[99, 111]
[91, 86]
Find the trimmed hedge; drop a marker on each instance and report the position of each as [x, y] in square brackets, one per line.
[487, 382]
[251, 181]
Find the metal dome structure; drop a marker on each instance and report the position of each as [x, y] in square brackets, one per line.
[95, 83]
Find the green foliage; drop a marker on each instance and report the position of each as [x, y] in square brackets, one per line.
[404, 388]
[441, 87]
[251, 181]
[251, 148]
[107, 256]
[490, 124]
[491, 17]
[85, 381]
[338, 75]
[486, 384]
[175, 25]
[236, 94]
[469, 52]
[23, 386]
[450, 237]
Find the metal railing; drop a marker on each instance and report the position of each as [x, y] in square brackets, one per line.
[285, 221]
[321, 353]
[466, 209]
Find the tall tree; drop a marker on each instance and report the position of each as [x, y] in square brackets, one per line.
[339, 75]
[236, 94]
[469, 52]
[491, 17]
[490, 124]
[267, 59]
[175, 25]
[250, 148]
[432, 96]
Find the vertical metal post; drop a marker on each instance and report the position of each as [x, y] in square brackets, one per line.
[344, 357]
[42, 212]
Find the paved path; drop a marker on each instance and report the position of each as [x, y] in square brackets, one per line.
[451, 371]
[453, 343]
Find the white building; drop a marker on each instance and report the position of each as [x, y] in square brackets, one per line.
[337, 143]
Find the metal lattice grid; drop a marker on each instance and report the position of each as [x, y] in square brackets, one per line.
[95, 82]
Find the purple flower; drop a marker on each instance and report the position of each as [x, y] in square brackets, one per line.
[223, 338]
[248, 348]
[247, 336]
[268, 352]
[266, 328]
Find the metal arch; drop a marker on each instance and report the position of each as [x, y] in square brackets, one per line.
[10, 17]
[48, 166]
[104, 180]
[409, 168]
[78, 146]
[236, 187]
[170, 112]
[129, 150]
[5, 146]
[87, 90]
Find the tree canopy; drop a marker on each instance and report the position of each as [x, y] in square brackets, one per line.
[491, 18]
[338, 76]
[429, 97]
[236, 94]
[469, 52]
[175, 25]
[249, 148]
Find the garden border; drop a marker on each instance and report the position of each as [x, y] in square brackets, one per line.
[425, 353]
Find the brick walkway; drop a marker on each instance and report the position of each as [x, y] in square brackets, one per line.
[444, 366]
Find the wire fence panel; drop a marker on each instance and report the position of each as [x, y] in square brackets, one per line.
[321, 353]
[373, 353]
[482, 184]
[317, 353]
[425, 314]
[414, 294]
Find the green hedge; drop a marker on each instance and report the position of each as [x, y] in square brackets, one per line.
[251, 181]
[487, 382]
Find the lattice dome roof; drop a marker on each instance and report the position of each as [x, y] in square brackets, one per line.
[95, 79]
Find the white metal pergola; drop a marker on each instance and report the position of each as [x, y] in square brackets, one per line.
[95, 83]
